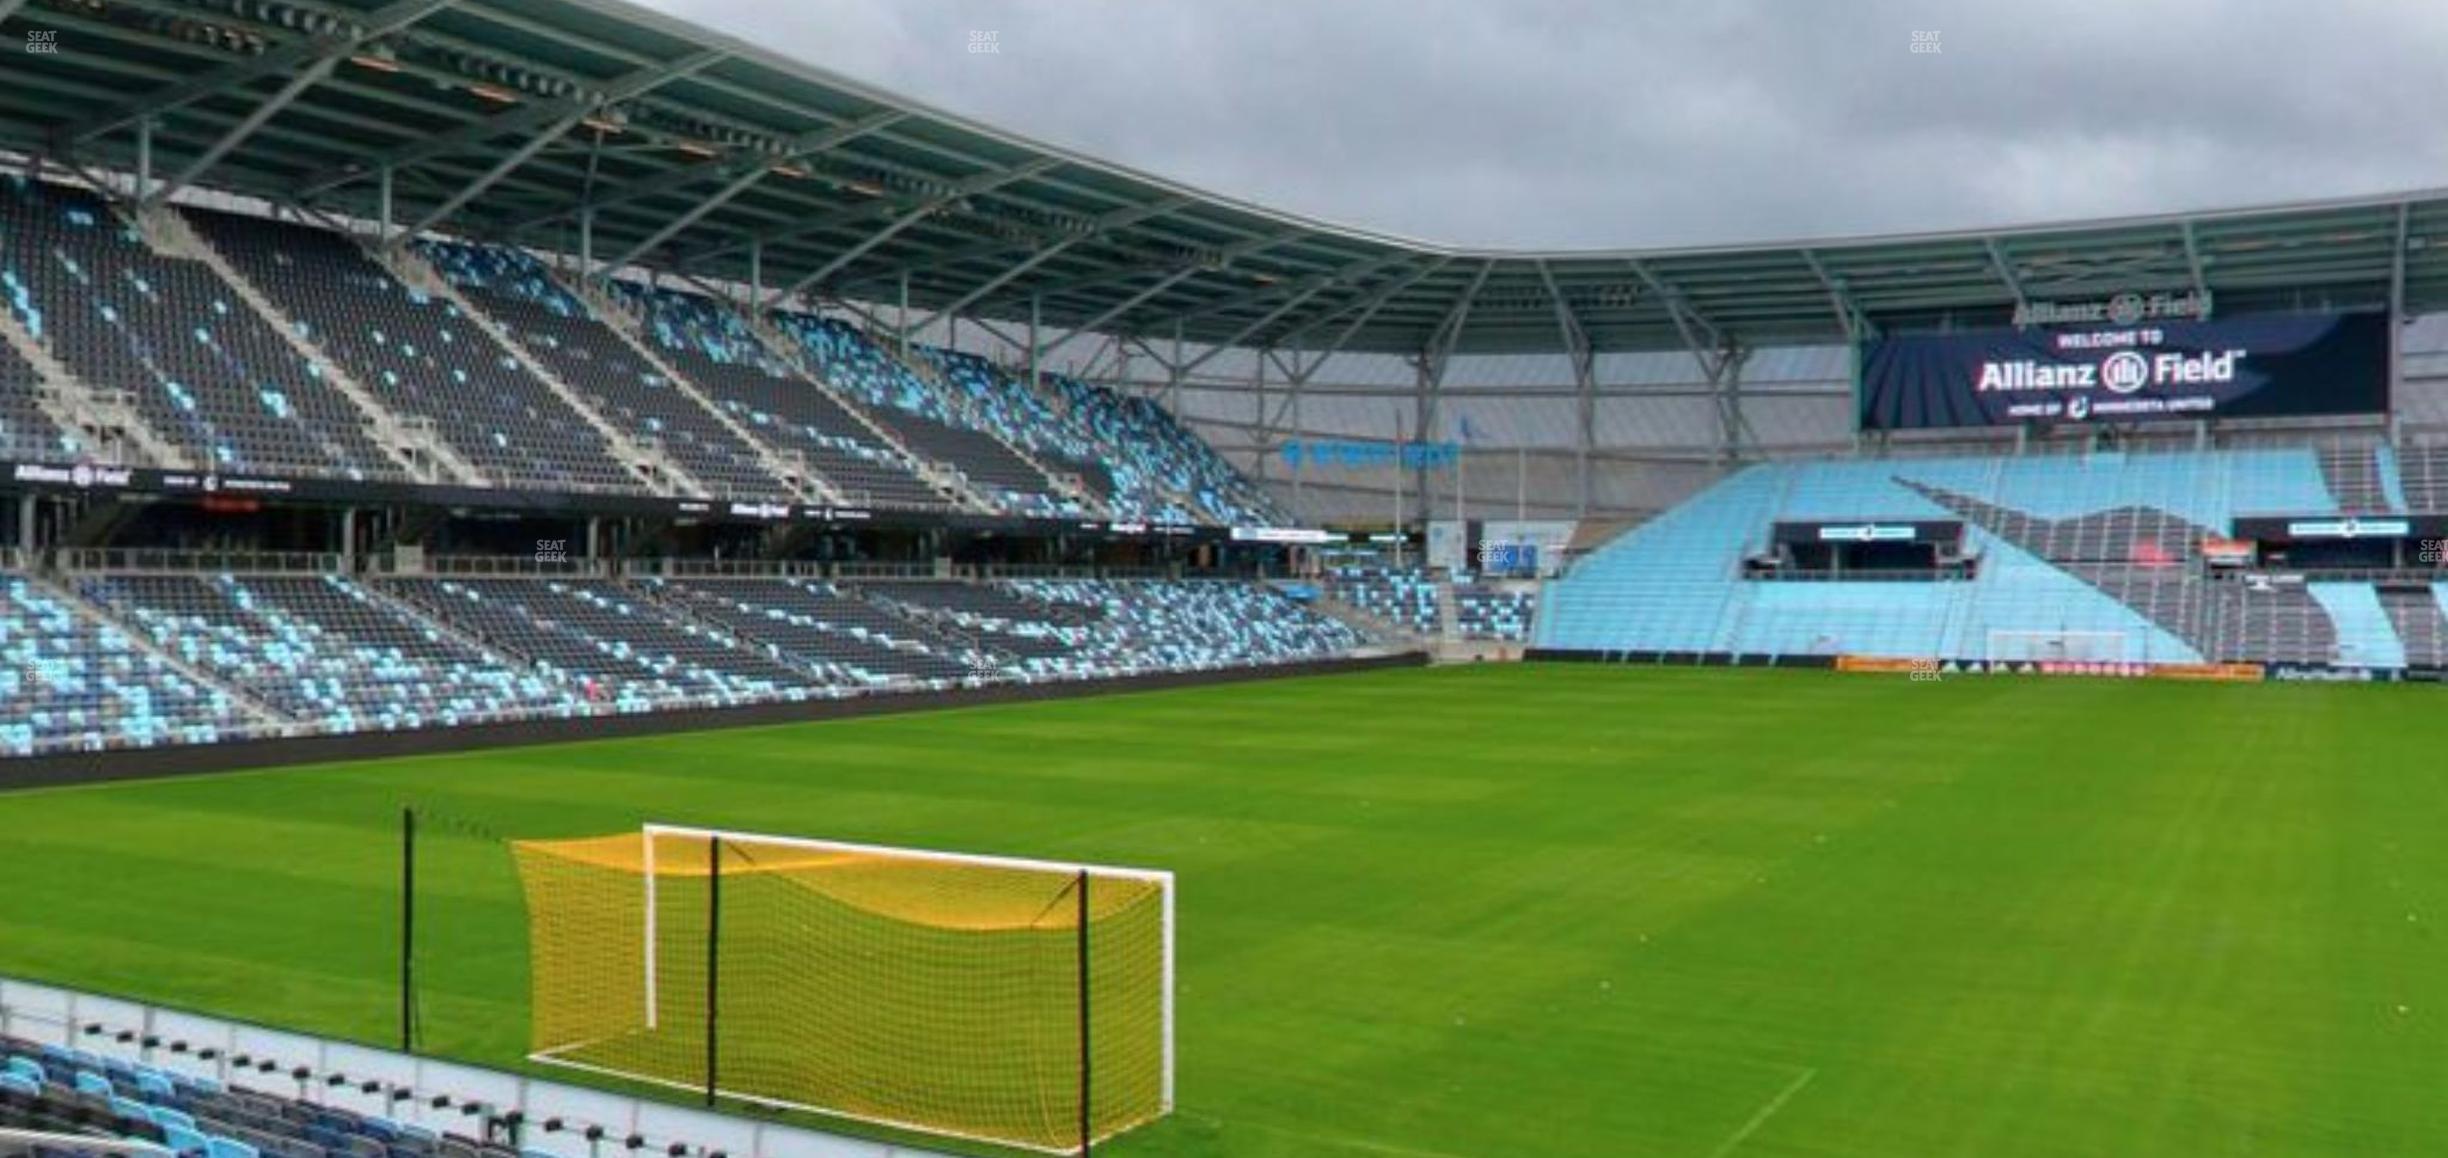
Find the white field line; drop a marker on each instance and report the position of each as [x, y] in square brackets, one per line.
[1765, 1112]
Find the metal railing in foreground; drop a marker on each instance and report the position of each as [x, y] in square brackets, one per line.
[164, 561]
[439, 1095]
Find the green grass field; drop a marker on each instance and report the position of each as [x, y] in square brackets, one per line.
[1521, 911]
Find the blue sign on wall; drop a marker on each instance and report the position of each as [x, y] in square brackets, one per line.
[1359, 455]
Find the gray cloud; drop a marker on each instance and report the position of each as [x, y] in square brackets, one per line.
[1674, 122]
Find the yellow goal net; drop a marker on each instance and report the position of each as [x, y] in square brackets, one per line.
[1024, 1003]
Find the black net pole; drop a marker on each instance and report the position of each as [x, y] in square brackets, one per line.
[713, 960]
[1086, 1129]
[407, 939]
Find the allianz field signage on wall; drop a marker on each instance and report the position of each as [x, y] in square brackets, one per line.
[2124, 309]
[2254, 366]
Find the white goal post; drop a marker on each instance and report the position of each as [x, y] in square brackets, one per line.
[1026, 1003]
[2041, 646]
[1158, 877]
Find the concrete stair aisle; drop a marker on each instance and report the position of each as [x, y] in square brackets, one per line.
[108, 420]
[412, 445]
[804, 482]
[436, 618]
[2414, 612]
[793, 355]
[1365, 622]
[1063, 483]
[2352, 474]
[648, 463]
[261, 714]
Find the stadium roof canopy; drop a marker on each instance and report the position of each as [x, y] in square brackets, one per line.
[689, 151]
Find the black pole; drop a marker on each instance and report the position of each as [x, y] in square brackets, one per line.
[713, 956]
[407, 964]
[1086, 1119]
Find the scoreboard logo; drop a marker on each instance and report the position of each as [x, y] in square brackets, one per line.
[2125, 372]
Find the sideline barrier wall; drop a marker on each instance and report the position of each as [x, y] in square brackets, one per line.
[48, 1014]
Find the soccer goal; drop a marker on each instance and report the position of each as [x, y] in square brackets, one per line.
[2042, 646]
[1020, 1002]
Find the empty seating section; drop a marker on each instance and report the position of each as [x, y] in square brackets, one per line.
[324, 650]
[2418, 617]
[2363, 632]
[715, 350]
[68, 684]
[1404, 597]
[1134, 469]
[1145, 436]
[1166, 626]
[844, 639]
[26, 433]
[326, 654]
[1665, 585]
[558, 332]
[1496, 613]
[2392, 479]
[924, 417]
[418, 356]
[71, 1110]
[2423, 471]
[205, 371]
[988, 618]
[2354, 477]
[2079, 553]
[617, 647]
[1081, 628]
[58, 1089]
[1870, 618]
[221, 381]
[2019, 607]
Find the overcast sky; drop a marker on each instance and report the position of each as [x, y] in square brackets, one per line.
[1670, 122]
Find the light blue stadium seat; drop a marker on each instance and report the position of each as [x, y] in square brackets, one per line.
[218, 1146]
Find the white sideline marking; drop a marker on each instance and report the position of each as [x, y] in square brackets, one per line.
[1349, 1143]
[1765, 1112]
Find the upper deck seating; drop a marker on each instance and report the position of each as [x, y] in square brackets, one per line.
[419, 356]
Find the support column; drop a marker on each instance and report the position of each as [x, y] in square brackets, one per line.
[382, 212]
[1585, 371]
[1034, 317]
[1298, 431]
[1258, 428]
[1423, 421]
[756, 270]
[901, 324]
[2397, 321]
[1173, 373]
[586, 244]
[1724, 372]
[144, 159]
